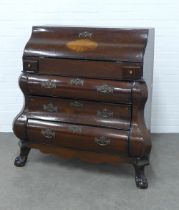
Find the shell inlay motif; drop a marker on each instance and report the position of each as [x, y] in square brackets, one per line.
[82, 45]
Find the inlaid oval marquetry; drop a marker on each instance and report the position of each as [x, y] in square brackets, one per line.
[82, 45]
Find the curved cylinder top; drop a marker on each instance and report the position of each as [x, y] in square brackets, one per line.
[112, 44]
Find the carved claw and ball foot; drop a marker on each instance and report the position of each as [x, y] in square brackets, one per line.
[140, 178]
[21, 160]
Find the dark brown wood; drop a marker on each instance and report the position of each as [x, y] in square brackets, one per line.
[84, 68]
[140, 143]
[65, 110]
[116, 44]
[20, 160]
[88, 95]
[85, 137]
[140, 178]
[89, 89]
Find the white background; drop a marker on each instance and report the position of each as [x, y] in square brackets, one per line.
[17, 17]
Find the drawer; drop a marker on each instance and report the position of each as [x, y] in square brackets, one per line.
[85, 68]
[77, 136]
[77, 88]
[80, 112]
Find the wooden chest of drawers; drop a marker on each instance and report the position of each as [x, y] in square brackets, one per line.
[88, 95]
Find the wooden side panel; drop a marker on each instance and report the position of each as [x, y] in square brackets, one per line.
[148, 76]
[140, 139]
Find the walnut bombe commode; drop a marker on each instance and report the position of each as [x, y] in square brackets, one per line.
[88, 95]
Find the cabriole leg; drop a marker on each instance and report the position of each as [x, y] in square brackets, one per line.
[22, 158]
[140, 178]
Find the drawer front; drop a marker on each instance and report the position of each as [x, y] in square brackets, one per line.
[100, 90]
[84, 68]
[80, 112]
[77, 136]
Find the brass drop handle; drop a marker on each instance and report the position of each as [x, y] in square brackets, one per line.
[48, 84]
[77, 82]
[105, 89]
[74, 128]
[76, 104]
[48, 133]
[85, 34]
[102, 141]
[105, 113]
[50, 108]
